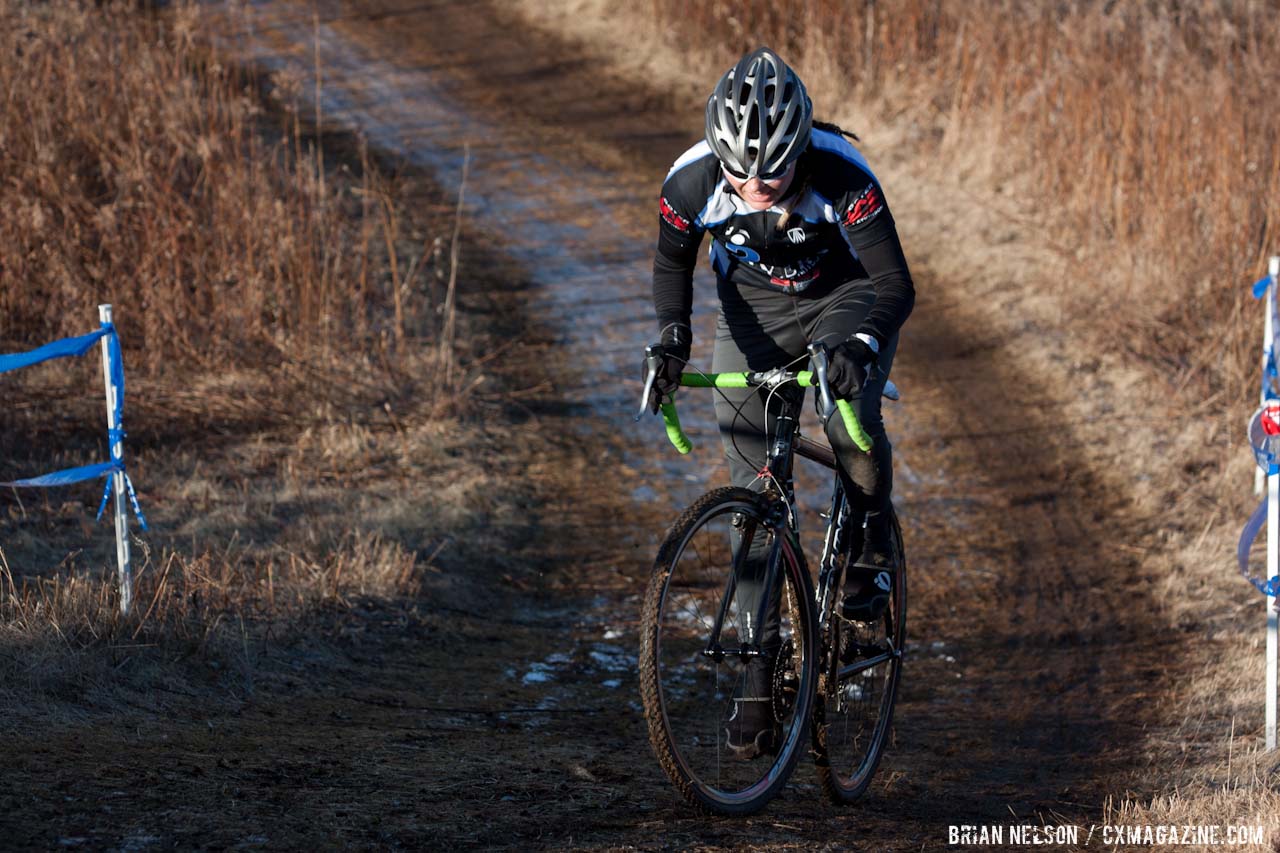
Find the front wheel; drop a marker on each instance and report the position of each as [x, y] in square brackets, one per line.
[728, 695]
[861, 666]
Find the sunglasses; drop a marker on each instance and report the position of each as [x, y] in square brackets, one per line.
[770, 176]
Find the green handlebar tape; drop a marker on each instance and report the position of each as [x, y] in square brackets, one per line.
[713, 380]
[674, 431]
[851, 423]
[807, 379]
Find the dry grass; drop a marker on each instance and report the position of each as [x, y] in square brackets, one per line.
[141, 171]
[291, 426]
[1248, 805]
[188, 605]
[185, 597]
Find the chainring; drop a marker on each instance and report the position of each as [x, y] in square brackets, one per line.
[786, 683]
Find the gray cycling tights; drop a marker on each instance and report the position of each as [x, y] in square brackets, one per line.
[761, 330]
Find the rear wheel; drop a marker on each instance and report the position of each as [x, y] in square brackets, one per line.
[699, 686]
[861, 665]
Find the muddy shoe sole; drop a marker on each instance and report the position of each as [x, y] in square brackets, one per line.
[870, 601]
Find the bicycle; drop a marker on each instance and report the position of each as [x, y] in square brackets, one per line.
[700, 644]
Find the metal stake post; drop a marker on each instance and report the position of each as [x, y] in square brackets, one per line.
[1273, 560]
[1273, 537]
[117, 478]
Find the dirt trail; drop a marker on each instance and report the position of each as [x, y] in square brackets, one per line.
[511, 718]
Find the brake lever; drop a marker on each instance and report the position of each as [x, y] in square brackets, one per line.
[653, 354]
[818, 354]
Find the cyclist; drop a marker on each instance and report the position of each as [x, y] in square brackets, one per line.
[804, 249]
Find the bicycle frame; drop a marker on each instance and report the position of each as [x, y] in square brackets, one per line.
[838, 673]
[787, 443]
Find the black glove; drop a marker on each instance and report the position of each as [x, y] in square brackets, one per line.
[675, 342]
[847, 367]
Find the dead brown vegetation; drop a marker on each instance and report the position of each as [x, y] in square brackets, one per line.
[141, 170]
[278, 304]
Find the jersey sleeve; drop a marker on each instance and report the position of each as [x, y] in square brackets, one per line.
[679, 236]
[869, 226]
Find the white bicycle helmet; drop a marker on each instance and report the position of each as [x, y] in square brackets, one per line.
[758, 117]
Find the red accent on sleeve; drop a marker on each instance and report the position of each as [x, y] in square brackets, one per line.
[865, 206]
[669, 214]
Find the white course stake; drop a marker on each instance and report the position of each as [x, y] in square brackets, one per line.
[118, 496]
[1273, 538]
[1273, 560]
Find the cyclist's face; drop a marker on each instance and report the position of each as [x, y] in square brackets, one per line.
[758, 193]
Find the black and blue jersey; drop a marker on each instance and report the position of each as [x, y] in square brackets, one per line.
[837, 228]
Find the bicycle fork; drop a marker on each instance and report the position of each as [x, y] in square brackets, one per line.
[760, 615]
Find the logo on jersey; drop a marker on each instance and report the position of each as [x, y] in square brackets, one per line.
[795, 235]
[735, 243]
[797, 283]
[799, 275]
[865, 206]
[674, 219]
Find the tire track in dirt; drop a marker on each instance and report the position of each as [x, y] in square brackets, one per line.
[512, 719]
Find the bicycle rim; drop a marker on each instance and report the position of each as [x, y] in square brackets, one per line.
[691, 698]
[861, 667]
